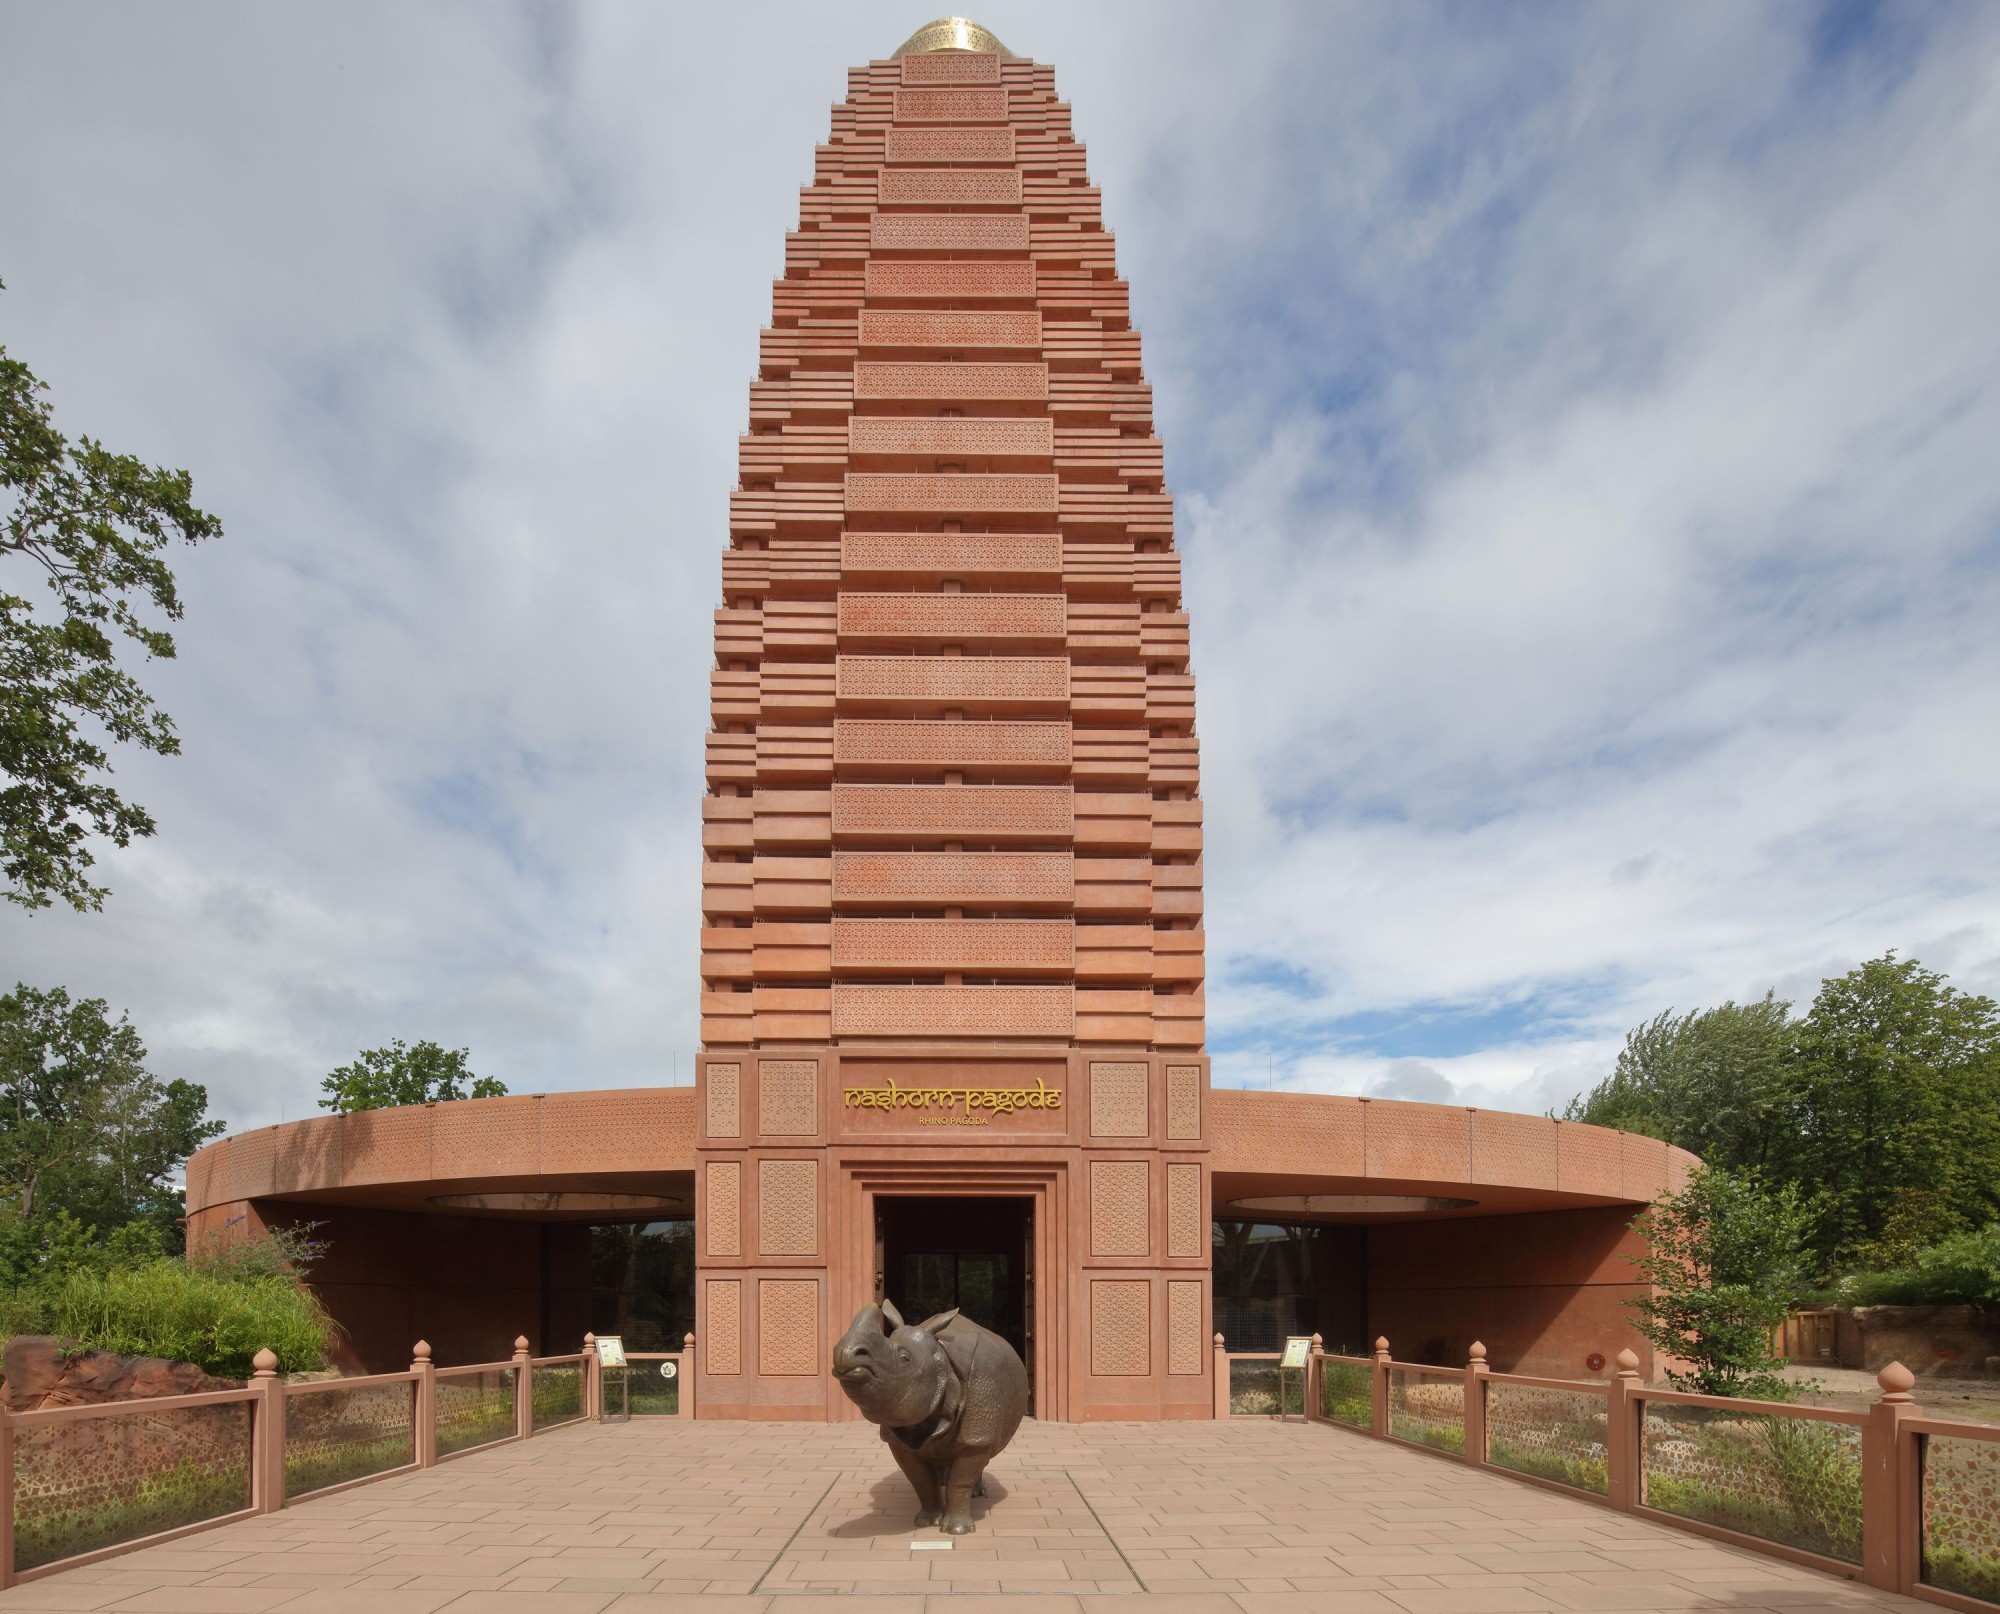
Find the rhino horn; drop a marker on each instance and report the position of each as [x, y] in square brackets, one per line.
[895, 1317]
[938, 1324]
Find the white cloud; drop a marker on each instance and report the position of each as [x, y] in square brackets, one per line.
[1582, 425]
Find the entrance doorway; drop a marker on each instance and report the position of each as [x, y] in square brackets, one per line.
[934, 1254]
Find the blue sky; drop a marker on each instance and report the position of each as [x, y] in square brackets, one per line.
[1581, 420]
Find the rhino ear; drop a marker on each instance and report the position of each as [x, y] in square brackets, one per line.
[935, 1326]
[894, 1316]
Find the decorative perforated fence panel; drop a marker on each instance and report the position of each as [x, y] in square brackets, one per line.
[336, 1434]
[1961, 1516]
[474, 1409]
[1427, 1410]
[87, 1484]
[557, 1391]
[1556, 1435]
[1347, 1392]
[1253, 1388]
[1778, 1476]
[654, 1386]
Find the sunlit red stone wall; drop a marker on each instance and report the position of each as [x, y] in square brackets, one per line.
[952, 774]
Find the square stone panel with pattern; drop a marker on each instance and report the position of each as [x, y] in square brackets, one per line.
[788, 1207]
[953, 616]
[1183, 1102]
[722, 1340]
[1185, 1345]
[953, 877]
[787, 1097]
[1119, 1208]
[950, 493]
[724, 1207]
[1588, 1160]
[1028, 680]
[724, 1084]
[788, 1326]
[1022, 945]
[309, 1160]
[1118, 1100]
[1121, 1328]
[1187, 1228]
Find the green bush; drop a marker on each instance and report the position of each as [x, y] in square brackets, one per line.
[1975, 1574]
[1583, 1473]
[51, 1526]
[1961, 1270]
[212, 1316]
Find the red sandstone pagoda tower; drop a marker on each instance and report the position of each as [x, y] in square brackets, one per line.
[952, 946]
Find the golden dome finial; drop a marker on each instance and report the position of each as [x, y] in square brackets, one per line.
[951, 33]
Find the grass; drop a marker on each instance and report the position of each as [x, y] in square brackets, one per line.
[1347, 1394]
[216, 1318]
[48, 1528]
[1796, 1482]
[317, 1467]
[1590, 1474]
[1953, 1568]
[1421, 1432]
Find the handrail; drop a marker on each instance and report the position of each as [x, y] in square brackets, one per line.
[1426, 1367]
[1953, 1428]
[1585, 1386]
[474, 1367]
[149, 1404]
[1738, 1403]
[367, 1381]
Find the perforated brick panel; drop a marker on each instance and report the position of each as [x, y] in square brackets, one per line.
[954, 616]
[1117, 1100]
[858, 740]
[309, 1158]
[385, 1146]
[1118, 1208]
[897, 434]
[724, 1207]
[1039, 679]
[948, 232]
[945, 492]
[787, 1097]
[951, 146]
[949, 281]
[787, 1326]
[972, 811]
[952, 877]
[1120, 1329]
[950, 187]
[252, 1161]
[723, 1340]
[1187, 1229]
[788, 1207]
[1184, 1327]
[1183, 1101]
[725, 1116]
[485, 1138]
[961, 944]
[635, 1130]
[1022, 383]
[952, 67]
[951, 106]
[882, 327]
[1424, 1143]
[861, 1010]
[958, 553]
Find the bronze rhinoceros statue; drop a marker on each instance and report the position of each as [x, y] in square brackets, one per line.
[948, 1395]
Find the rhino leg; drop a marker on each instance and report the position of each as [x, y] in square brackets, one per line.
[964, 1480]
[922, 1480]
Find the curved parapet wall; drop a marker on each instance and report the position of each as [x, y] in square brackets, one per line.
[633, 1136]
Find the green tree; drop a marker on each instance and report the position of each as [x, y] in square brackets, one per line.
[422, 1073]
[1724, 1256]
[1716, 1082]
[96, 525]
[85, 1128]
[1897, 1109]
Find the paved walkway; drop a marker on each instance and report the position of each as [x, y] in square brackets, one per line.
[1243, 1517]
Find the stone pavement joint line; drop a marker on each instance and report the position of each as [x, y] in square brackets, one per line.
[1239, 1517]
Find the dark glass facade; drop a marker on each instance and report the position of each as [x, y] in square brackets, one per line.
[1279, 1278]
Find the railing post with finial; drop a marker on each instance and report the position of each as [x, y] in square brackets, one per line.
[1379, 1423]
[684, 1396]
[592, 1389]
[7, 1497]
[426, 1405]
[1315, 1367]
[1221, 1379]
[1475, 1405]
[1890, 1498]
[524, 1389]
[267, 1438]
[1624, 1409]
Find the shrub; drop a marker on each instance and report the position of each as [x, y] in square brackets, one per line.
[1961, 1270]
[216, 1318]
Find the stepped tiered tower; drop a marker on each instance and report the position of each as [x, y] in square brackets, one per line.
[953, 826]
